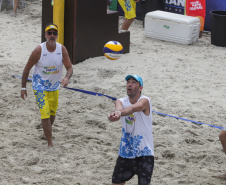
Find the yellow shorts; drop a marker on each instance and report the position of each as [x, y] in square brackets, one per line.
[129, 8]
[47, 102]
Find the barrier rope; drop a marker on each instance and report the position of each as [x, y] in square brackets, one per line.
[114, 99]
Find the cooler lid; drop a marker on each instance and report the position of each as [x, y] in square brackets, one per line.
[185, 19]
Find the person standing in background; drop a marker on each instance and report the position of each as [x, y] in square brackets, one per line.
[15, 6]
[129, 8]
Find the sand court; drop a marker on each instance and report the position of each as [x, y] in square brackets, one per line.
[187, 81]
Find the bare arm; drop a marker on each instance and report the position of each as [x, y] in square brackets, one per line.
[33, 59]
[115, 116]
[68, 66]
[142, 105]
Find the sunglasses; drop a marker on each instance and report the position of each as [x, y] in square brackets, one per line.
[52, 32]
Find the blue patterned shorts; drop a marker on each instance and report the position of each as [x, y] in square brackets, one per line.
[125, 169]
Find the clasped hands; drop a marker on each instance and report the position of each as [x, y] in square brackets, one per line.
[114, 116]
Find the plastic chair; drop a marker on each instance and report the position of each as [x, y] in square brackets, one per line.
[11, 2]
[6, 2]
[1, 5]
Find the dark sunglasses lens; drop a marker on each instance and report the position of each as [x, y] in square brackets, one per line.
[50, 33]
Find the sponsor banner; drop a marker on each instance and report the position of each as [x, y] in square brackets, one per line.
[175, 6]
[196, 8]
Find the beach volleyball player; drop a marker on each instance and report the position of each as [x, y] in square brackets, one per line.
[222, 138]
[48, 60]
[136, 151]
[129, 8]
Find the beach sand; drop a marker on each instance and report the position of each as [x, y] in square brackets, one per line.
[188, 81]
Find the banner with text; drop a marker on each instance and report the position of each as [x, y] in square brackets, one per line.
[175, 6]
[196, 8]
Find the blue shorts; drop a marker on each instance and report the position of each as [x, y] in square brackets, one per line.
[125, 169]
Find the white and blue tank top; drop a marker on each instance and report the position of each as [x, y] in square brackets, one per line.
[137, 136]
[47, 71]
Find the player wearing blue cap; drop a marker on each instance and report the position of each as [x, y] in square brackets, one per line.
[136, 151]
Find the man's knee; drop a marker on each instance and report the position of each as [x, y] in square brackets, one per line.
[45, 121]
[132, 19]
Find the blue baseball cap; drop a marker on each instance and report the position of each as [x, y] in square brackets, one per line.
[136, 77]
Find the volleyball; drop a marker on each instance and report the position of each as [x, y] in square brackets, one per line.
[113, 50]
